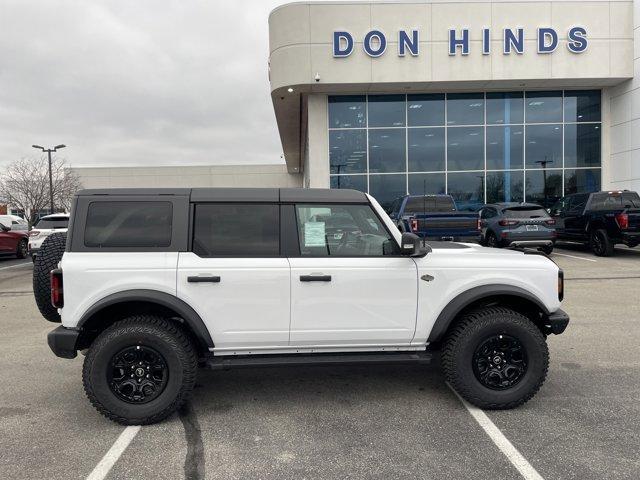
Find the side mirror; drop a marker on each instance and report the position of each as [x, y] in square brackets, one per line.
[411, 245]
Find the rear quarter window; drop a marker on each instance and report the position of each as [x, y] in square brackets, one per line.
[128, 224]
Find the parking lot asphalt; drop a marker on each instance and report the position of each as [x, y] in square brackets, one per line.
[341, 422]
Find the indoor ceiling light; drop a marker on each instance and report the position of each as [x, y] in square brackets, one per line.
[289, 89]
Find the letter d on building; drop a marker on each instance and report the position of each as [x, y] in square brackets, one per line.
[340, 39]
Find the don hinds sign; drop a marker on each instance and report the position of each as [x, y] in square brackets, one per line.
[374, 42]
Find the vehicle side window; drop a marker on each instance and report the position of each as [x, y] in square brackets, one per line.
[342, 230]
[560, 206]
[128, 224]
[578, 203]
[394, 209]
[488, 213]
[237, 230]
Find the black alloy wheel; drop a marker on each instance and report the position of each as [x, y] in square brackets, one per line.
[500, 362]
[140, 370]
[137, 374]
[495, 358]
[601, 243]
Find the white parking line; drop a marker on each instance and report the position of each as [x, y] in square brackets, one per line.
[114, 453]
[502, 442]
[574, 256]
[15, 266]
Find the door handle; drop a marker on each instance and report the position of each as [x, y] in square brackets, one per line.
[315, 278]
[196, 279]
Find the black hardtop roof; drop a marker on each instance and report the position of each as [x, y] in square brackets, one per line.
[288, 195]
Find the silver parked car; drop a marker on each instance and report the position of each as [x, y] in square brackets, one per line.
[517, 224]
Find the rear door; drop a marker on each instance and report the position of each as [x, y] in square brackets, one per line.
[574, 218]
[487, 214]
[235, 276]
[349, 284]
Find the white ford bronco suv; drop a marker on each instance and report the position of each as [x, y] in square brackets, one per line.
[150, 284]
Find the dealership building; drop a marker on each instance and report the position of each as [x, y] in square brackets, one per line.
[485, 100]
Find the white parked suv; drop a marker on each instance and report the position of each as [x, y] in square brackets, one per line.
[152, 283]
[57, 222]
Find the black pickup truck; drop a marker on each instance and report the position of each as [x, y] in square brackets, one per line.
[601, 219]
[435, 217]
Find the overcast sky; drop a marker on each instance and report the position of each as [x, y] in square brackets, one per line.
[137, 82]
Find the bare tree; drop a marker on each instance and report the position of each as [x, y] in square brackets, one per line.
[25, 185]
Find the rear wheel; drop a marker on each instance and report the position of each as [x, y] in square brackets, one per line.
[495, 358]
[492, 240]
[22, 250]
[601, 244]
[140, 370]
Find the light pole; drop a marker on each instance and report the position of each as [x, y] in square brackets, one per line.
[49, 150]
[543, 164]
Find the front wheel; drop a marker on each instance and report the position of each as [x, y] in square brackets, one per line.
[495, 358]
[140, 370]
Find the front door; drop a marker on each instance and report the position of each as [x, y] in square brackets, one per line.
[349, 285]
[235, 277]
[558, 212]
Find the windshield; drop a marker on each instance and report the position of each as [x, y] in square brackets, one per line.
[51, 223]
[525, 212]
[429, 204]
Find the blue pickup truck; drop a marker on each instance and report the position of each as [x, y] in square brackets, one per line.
[435, 217]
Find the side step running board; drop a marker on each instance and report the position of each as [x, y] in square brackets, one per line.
[228, 362]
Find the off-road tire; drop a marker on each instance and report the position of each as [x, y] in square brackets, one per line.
[155, 332]
[47, 259]
[22, 249]
[601, 244]
[469, 332]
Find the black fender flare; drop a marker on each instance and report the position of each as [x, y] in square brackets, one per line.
[182, 309]
[466, 298]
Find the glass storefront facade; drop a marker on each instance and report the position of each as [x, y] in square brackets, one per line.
[478, 147]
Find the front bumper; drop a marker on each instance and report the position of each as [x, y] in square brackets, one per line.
[556, 322]
[63, 342]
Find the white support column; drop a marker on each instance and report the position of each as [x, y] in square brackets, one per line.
[318, 149]
[605, 136]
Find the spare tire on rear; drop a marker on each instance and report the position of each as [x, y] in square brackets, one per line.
[48, 257]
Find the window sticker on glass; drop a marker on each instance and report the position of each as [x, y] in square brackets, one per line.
[314, 234]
